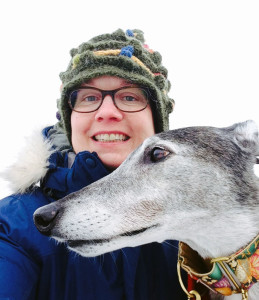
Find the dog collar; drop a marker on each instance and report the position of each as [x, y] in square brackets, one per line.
[223, 275]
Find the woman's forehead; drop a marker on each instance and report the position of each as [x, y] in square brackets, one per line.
[107, 81]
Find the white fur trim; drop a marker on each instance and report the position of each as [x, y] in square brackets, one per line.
[31, 165]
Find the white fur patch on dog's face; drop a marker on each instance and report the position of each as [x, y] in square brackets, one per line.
[108, 224]
[93, 248]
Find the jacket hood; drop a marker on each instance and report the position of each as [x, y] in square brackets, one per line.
[31, 164]
[48, 160]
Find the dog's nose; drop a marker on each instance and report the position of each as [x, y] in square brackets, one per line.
[44, 218]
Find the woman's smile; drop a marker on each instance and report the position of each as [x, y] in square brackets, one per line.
[110, 137]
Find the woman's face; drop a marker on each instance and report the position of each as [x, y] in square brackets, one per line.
[132, 128]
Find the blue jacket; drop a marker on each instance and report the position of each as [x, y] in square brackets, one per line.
[33, 266]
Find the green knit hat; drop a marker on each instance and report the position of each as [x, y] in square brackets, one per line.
[121, 54]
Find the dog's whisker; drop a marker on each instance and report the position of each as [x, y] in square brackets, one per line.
[114, 259]
[170, 245]
[124, 254]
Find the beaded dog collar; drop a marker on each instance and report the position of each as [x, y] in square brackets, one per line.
[224, 275]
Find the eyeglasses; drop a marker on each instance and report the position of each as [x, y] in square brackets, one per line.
[127, 99]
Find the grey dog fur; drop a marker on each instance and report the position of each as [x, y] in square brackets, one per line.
[203, 191]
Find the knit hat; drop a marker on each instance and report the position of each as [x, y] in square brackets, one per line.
[121, 54]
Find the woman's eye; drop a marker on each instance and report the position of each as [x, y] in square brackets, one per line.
[130, 98]
[158, 153]
[90, 98]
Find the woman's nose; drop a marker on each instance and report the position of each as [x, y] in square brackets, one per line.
[108, 110]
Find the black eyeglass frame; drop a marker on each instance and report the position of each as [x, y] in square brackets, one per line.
[112, 94]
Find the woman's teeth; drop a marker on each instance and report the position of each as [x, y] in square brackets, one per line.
[110, 137]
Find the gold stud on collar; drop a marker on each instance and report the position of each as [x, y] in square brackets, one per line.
[244, 294]
[194, 294]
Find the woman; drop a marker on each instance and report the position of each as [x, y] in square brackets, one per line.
[114, 95]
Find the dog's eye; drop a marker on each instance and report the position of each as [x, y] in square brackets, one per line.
[158, 153]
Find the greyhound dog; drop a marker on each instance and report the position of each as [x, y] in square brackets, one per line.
[196, 185]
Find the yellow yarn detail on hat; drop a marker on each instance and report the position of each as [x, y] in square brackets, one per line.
[107, 52]
[117, 52]
[76, 60]
[141, 64]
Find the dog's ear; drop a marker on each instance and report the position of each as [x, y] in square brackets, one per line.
[246, 135]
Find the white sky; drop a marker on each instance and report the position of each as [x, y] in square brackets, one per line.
[210, 48]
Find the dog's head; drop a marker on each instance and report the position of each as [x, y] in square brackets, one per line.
[178, 184]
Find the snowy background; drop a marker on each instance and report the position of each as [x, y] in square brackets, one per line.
[211, 49]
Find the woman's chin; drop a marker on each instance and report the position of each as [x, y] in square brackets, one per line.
[112, 161]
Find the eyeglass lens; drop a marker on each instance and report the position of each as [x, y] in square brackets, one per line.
[129, 99]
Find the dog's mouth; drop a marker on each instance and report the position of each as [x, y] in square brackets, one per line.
[96, 242]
